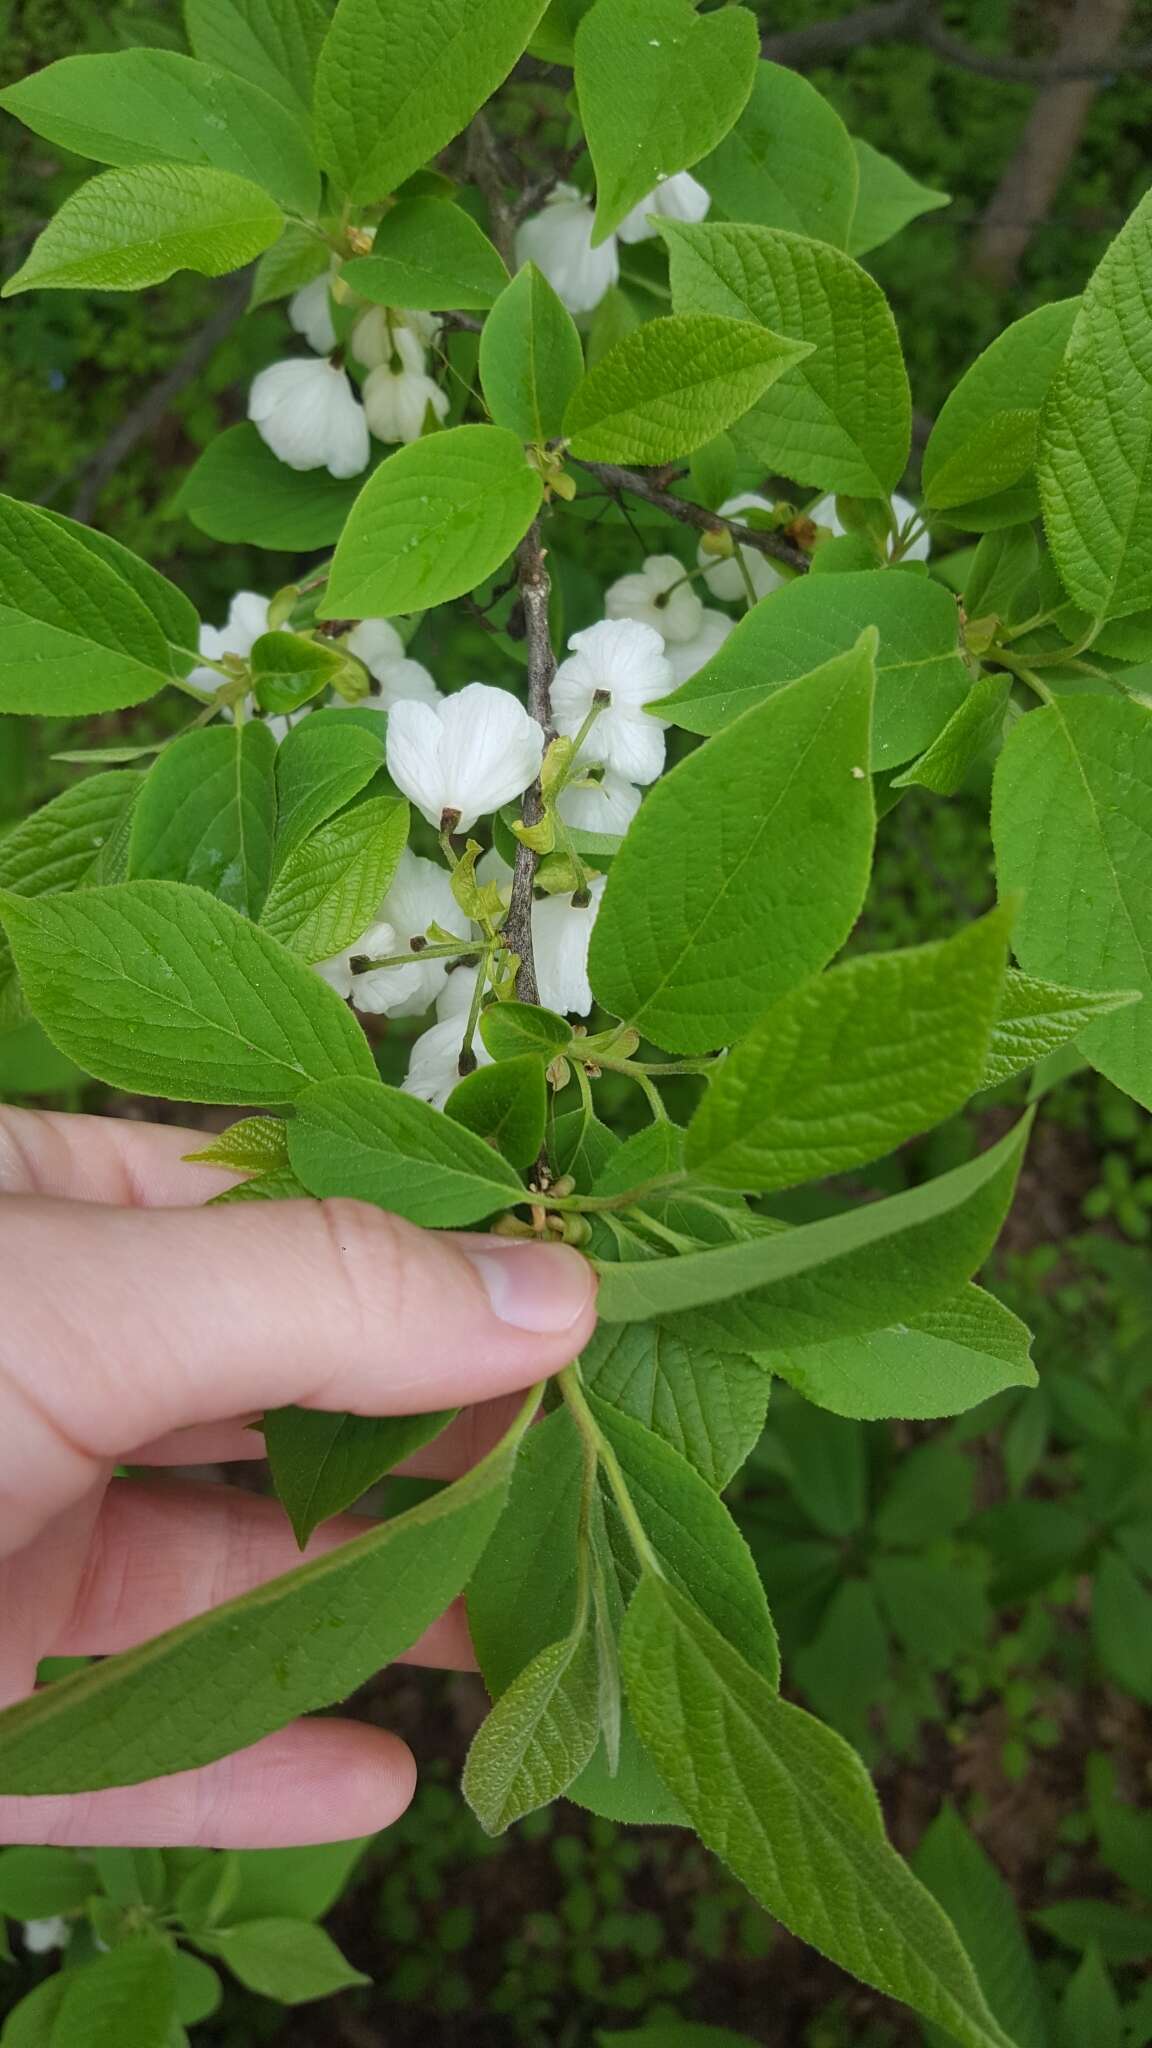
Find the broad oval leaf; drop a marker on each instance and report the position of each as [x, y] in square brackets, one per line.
[531, 358]
[658, 86]
[174, 613]
[156, 987]
[842, 418]
[1012, 376]
[322, 763]
[746, 867]
[506, 1105]
[68, 843]
[130, 228]
[207, 815]
[921, 678]
[328, 891]
[509, 1029]
[673, 384]
[364, 1139]
[397, 79]
[887, 199]
[75, 636]
[428, 254]
[942, 1362]
[788, 163]
[289, 670]
[709, 1405]
[272, 44]
[436, 518]
[237, 490]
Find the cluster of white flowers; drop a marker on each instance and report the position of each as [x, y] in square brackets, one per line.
[375, 642]
[559, 239]
[307, 409]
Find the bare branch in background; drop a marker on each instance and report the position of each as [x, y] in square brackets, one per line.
[775, 545]
[910, 21]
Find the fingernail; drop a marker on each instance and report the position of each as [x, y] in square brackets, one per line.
[541, 1287]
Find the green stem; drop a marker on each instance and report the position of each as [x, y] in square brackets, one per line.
[474, 1008]
[1026, 675]
[411, 958]
[627, 1200]
[572, 1388]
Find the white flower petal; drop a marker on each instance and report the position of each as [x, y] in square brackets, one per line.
[310, 312]
[414, 757]
[376, 643]
[691, 655]
[723, 577]
[559, 242]
[561, 934]
[632, 744]
[396, 402]
[310, 417]
[606, 806]
[643, 597]
[681, 197]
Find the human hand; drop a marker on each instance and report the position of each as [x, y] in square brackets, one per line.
[138, 1327]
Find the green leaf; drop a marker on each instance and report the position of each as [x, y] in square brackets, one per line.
[322, 1463]
[506, 1105]
[255, 1144]
[62, 846]
[289, 1960]
[999, 453]
[708, 1405]
[134, 227]
[301, 1883]
[1090, 2009]
[674, 383]
[789, 1808]
[1122, 1624]
[76, 637]
[1036, 1018]
[873, 1265]
[295, 260]
[138, 1978]
[272, 44]
[788, 163]
[288, 670]
[849, 1066]
[37, 1884]
[434, 521]
[30, 2024]
[746, 867]
[174, 613]
[198, 1989]
[538, 1736]
[659, 86]
[509, 1029]
[942, 1362]
[1119, 1934]
[322, 764]
[299, 1642]
[921, 679]
[428, 254]
[364, 1139]
[156, 987]
[144, 106]
[328, 890]
[531, 358]
[887, 199]
[842, 418]
[1072, 827]
[239, 491]
[398, 79]
[1002, 580]
[1096, 436]
[1012, 375]
[969, 735]
[207, 815]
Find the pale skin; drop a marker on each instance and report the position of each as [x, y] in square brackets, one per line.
[139, 1327]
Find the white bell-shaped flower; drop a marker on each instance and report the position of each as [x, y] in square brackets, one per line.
[465, 756]
[559, 242]
[561, 935]
[824, 514]
[386, 331]
[378, 645]
[608, 805]
[420, 896]
[434, 1062]
[723, 575]
[660, 595]
[247, 619]
[624, 661]
[396, 402]
[681, 197]
[310, 417]
[40, 1936]
[310, 312]
[686, 656]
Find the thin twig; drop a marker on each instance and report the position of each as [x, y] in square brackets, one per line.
[535, 589]
[639, 485]
[485, 170]
[911, 21]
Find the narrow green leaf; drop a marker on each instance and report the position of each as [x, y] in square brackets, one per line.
[921, 679]
[942, 1362]
[322, 764]
[974, 1895]
[1037, 1017]
[509, 1029]
[239, 491]
[322, 1463]
[746, 867]
[842, 418]
[364, 1139]
[1122, 1624]
[872, 1265]
[1012, 375]
[531, 358]
[272, 44]
[398, 79]
[134, 227]
[436, 518]
[887, 199]
[674, 383]
[142, 106]
[207, 815]
[328, 890]
[429, 254]
[1090, 2009]
[1096, 435]
[76, 637]
[847, 1067]
[788, 163]
[506, 1105]
[539, 1735]
[156, 987]
[658, 86]
[1072, 827]
[288, 1960]
[789, 1808]
[221, 1681]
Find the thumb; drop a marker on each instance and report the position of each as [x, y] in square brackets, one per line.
[121, 1325]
